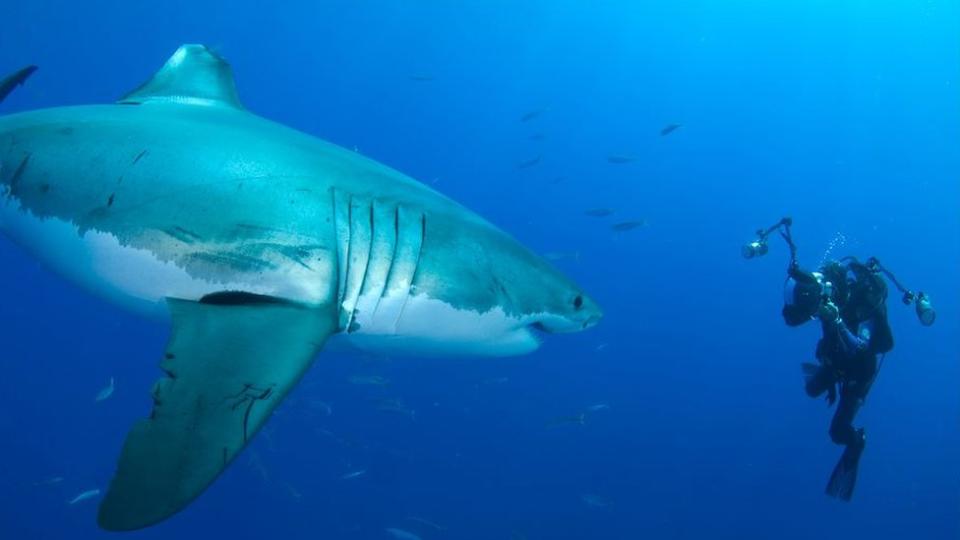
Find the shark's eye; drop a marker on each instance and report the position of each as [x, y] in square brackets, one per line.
[578, 302]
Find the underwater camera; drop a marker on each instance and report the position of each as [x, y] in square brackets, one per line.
[806, 290]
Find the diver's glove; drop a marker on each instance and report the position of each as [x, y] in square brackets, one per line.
[829, 315]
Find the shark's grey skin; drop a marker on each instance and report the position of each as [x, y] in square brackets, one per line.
[177, 192]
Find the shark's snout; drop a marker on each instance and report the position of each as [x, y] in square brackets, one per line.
[590, 313]
[581, 314]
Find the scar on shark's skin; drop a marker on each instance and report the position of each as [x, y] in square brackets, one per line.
[249, 396]
[18, 173]
[132, 163]
[183, 235]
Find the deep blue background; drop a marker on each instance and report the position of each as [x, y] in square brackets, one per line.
[844, 116]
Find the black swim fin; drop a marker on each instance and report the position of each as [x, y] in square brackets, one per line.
[844, 477]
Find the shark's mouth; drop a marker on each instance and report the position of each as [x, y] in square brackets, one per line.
[539, 327]
[536, 332]
[556, 324]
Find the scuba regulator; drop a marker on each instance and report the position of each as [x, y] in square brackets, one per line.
[806, 291]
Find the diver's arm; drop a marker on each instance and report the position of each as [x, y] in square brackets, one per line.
[833, 325]
[850, 341]
[856, 342]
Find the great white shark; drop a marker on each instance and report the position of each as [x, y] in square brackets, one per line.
[259, 243]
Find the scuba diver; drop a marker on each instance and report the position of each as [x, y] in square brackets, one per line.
[848, 297]
[849, 300]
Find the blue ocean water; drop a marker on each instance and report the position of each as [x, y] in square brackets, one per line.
[843, 115]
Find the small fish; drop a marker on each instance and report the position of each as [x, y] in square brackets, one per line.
[49, 481]
[89, 494]
[14, 80]
[595, 501]
[531, 115]
[628, 225]
[105, 392]
[370, 380]
[527, 163]
[495, 380]
[292, 491]
[601, 347]
[561, 255]
[396, 406]
[354, 474]
[422, 521]
[599, 212]
[401, 534]
[537, 137]
[321, 407]
[668, 129]
[578, 419]
[620, 159]
[421, 77]
[598, 407]
[334, 437]
[256, 464]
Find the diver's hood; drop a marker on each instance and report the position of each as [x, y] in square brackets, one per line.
[801, 296]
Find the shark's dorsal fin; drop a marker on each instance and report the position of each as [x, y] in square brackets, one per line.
[194, 75]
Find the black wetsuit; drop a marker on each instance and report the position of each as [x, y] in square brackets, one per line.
[848, 359]
[853, 339]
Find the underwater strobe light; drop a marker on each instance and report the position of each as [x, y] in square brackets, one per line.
[924, 306]
[920, 300]
[758, 248]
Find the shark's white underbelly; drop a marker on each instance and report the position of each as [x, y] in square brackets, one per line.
[138, 280]
[423, 325]
[135, 278]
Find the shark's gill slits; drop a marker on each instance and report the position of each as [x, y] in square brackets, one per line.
[379, 246]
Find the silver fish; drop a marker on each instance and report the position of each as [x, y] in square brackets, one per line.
[354, 474]
[106, 391]
[89, 494]
[401, 534]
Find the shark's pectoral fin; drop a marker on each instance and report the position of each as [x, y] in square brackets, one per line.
[228, 365]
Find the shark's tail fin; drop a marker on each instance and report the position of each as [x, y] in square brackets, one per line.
[15, 79]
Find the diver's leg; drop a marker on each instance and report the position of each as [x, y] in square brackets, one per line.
[844, 477]
[841, 427]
